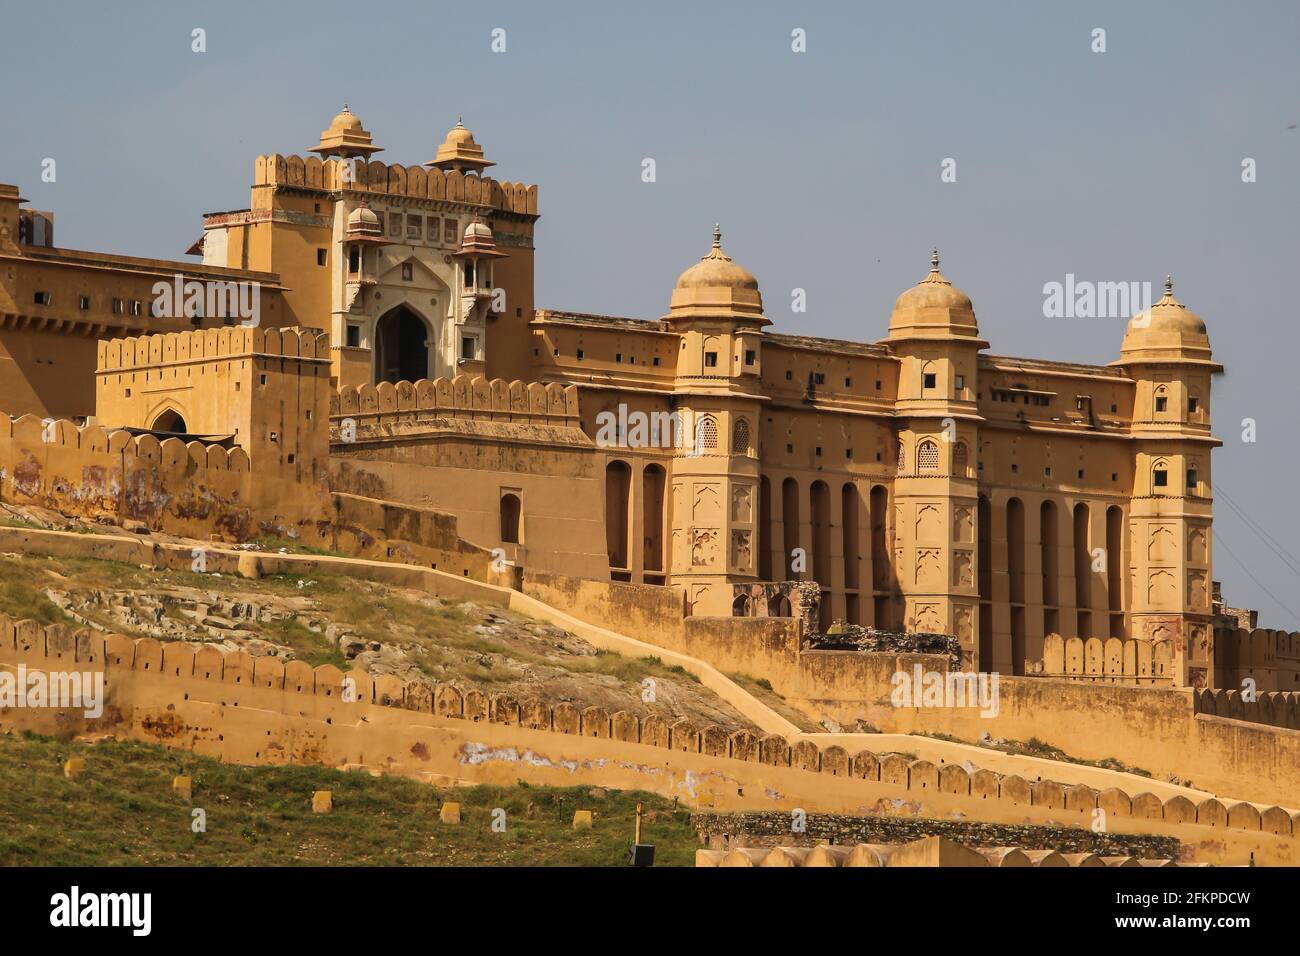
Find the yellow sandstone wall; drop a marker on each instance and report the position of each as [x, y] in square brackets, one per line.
[266, 711]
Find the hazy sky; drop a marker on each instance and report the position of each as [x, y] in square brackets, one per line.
[823, 167]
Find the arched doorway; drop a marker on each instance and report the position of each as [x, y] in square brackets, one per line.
[170, 421]
[402, 340]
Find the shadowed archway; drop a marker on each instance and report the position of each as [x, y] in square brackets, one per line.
[402, 340]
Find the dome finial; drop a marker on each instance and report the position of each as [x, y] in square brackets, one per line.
[717, 236]
[934, 260]
[345, 107]
[1169, 285]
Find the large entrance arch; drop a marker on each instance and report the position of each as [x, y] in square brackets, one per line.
[402, 340]
[170, 420]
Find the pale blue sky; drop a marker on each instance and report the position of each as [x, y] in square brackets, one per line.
[822, 167]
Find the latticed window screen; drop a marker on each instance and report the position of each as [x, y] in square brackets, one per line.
[927, 456]
[902, 458]
[740, 437]
[706, 434]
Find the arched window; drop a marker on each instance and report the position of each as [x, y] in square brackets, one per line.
[959, 456]
[706, 435]
[741, 606]
[902, 457]
[740, 437]
[510, 510]
[927, 456]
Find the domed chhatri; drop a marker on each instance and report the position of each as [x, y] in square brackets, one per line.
[1167, 330]
[478, 240]
[459, 151]
[364, 226]
[933, 308]
[716, 287]
[346, 137]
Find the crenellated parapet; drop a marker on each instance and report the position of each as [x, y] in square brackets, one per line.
[146, 351]
[464, 396]
[1113, 660]
[415, 182]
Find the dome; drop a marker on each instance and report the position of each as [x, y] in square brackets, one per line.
[460, 151]
[717, 270]
[364, 225]
[1167, 330]
[933, 308]
[716, 287]
[477, 230]
[347, 120]
[346, 137]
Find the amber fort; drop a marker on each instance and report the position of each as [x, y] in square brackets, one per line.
[827, 514]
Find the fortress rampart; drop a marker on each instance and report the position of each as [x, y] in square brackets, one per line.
[265, 710]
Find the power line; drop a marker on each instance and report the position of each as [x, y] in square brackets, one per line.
[1250, 574]
[1280, 550]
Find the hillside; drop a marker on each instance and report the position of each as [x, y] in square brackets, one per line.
[121, 811]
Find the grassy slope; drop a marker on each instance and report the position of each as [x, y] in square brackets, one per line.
[121, 811]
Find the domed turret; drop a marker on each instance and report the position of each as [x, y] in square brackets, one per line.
[364, 226]
[1168, 331]
[460, 151]
[933, 308]
[346, 137]
[716, 287]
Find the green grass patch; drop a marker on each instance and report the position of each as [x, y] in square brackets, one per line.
[121, 811]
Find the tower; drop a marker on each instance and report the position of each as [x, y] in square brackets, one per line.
[1166, 351]
[717, 310]
[933, 333]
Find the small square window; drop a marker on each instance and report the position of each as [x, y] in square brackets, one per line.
[44, 298]
[1162, 478]
[322, 256]
[819, 378]
[1114, 476]
[848, 453]
[83, 303]
[1191, 481]
[1191, 406]
[449, 232]
[580, 354]
[309, 414]
[618, 356]
[262, 379]
[414, 226]
[788, 375]
[274, 438]
[960, 382]
[1161, 402]
[1047, 472]
[751, 356]
[136, 307]
[877, 385]
[408, 272]
[467, 348]
[1080, 475]
[394, 223]
[1015, 469]
[928, 380]
[656, 361]
[819, 451]
[710, 359]
[789, 449]
[848, 382]
[292, 457]
[354, 336]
